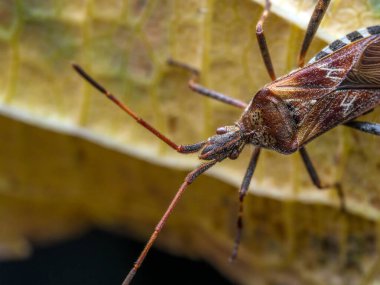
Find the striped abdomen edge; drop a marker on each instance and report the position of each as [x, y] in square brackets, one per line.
[347, 39]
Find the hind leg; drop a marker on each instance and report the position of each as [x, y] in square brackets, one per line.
[367, 127]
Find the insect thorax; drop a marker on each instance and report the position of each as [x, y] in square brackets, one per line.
[267, 123]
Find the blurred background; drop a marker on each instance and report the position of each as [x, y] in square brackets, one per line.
[76, 174]
[100, 257]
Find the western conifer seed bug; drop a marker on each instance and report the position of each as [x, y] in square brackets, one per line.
[341, 83]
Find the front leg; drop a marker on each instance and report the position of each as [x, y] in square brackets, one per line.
[196, 87]
[317, 182]
[242, 192]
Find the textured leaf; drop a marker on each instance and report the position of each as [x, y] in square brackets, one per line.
[71, 160]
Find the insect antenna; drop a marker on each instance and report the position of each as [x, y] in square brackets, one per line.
[180, 148]
[188, 180]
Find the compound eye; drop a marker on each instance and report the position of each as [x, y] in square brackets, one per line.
[234, 154]
[221, 131]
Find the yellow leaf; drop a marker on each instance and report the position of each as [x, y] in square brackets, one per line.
[70, 159]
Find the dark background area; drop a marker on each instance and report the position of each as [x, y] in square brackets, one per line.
[99, 258]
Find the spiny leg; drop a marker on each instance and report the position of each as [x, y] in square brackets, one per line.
[180, 148]
[188, 180]
[262, 41]
[315, 20]
[317, 182]
[242, 192]
[203, 90]
[367, 127]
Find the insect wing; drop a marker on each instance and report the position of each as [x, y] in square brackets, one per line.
[320, 78]
[335, 108]
[358, 93]
[316, 95]
[366, 71]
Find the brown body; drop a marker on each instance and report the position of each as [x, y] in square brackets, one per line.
[298, 107]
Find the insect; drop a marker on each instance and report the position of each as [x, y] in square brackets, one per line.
[341, 83]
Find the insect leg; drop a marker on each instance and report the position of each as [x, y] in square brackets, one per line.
[203, 90]
[262, 41]
[188, 180]
[315, 20]
[179, 148]
[317, 182]
[367, 127]
[242, 192]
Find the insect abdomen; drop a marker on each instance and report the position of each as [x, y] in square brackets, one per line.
[347, 39]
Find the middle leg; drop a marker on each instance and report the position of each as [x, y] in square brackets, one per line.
[317, 182]
[262, 40]
[315, 20]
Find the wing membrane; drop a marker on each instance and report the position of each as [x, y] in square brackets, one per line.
[366, 72]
